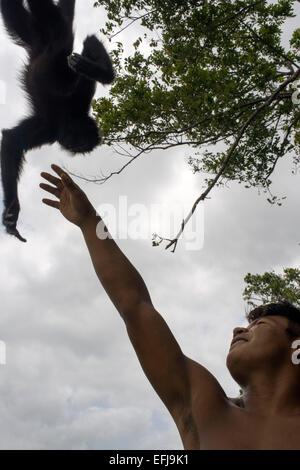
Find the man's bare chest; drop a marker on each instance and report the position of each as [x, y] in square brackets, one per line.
[237, 431]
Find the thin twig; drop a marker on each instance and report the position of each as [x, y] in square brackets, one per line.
[282, 147]
[129, 24]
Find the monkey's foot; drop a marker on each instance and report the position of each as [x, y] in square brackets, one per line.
[9, 220]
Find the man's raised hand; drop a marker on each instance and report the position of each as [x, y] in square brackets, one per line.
[71, 200]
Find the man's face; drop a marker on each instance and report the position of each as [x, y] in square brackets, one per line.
[263, 345]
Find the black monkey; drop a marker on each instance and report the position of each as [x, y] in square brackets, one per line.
[60, 85]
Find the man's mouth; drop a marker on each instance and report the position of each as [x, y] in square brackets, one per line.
[237, 340]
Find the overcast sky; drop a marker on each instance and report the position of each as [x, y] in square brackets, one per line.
[72, 380]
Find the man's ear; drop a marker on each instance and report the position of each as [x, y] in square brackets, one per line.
[296, 354]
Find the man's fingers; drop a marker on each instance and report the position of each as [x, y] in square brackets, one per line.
[51, 203]
[50, 189]
[64, 176]
[68, 181]
[57, 169]
[52, 179]
[60, 171]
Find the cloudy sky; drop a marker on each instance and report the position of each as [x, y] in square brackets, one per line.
[72, 380]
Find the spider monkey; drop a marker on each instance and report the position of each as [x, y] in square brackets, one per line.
[60, 85]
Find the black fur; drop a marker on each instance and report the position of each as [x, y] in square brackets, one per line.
[60, 85]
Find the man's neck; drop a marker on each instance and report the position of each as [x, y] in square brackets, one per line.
[276, 395]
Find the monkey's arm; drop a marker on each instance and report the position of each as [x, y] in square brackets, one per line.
[28, 134]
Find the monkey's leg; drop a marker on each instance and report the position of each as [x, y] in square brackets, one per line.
[94, 63]
[67, 8]
[29, 134]
[17, 21]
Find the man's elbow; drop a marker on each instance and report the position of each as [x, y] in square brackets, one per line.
[134, 307]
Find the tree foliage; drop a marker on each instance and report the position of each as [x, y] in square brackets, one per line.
[217, 79]
[272, 287]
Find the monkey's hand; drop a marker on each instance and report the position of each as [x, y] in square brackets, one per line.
[92, 70]
[10, 218]
[82, 65]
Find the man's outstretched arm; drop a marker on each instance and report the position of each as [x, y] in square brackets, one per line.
[167, 368]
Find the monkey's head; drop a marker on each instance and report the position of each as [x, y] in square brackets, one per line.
[80, 135]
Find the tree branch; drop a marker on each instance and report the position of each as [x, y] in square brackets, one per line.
[204, 195]
[243, 10]
[276, 51]
[282, 147]
[129, 24]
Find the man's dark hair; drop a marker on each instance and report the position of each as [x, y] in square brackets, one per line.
[282, 309]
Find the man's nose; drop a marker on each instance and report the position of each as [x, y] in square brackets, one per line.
[239, 330]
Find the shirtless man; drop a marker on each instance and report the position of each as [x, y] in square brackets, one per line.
[260, 358]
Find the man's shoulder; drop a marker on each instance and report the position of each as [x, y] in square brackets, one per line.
[206, 394]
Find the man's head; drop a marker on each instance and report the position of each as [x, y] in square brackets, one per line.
[265, 344]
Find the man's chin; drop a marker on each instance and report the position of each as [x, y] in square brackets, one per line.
[237, 359]
[237, 367]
